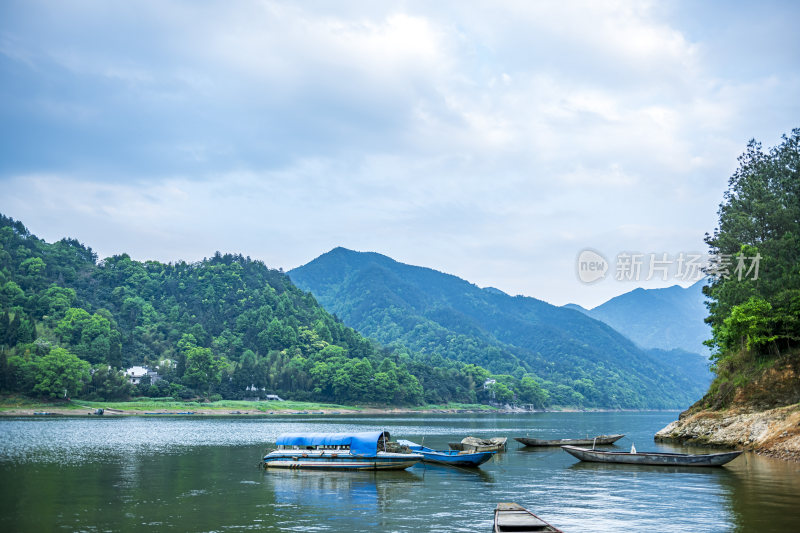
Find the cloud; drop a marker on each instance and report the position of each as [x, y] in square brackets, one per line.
[493, 141]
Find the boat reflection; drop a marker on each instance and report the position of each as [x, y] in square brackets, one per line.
[363, 492]
[454, 473]
[622, 467]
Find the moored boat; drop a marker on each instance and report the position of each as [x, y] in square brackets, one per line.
[448, 457]
[514, 517]
[588, 441]
[474, 444]
[652, 458]
[338, 451]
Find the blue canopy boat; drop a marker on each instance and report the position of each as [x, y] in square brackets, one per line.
[448, 457]
[340, 451]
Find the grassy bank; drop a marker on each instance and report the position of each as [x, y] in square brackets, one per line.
[20, 405]
[455, 407]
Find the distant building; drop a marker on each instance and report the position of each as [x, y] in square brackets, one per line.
[259, 393]
[136, 373]
[488, 383]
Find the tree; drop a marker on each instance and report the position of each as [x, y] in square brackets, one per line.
[502, 394]
[90, 336]
[759, 219]
[385, 387]
[55, 301]
[5, 324]
[202, 370]
[107, 383]
[58, 372]
[11, 295]
[748, 327]
[530, 392]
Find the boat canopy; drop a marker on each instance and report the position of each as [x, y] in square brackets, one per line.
[361, 443]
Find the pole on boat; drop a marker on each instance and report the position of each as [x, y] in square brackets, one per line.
[594, 442]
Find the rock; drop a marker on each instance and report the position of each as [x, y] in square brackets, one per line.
[773, 432]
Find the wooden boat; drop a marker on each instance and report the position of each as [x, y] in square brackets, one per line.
[600, 439]
[514, 517]
[652, 458]
[338, 451]
[448, 457]
[474, 444]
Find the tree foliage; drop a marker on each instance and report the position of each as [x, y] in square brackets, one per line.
[227, 325]
[758, 218]
[449, 324]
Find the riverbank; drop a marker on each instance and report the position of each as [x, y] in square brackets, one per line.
[758, 411]
[26, 407]
[774, 432]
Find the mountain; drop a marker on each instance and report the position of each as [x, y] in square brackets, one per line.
[658, 318]
[578, 360]
[226, 325]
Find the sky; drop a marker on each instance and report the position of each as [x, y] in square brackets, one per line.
[491, 140]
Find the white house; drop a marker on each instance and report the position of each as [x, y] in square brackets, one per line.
[136, 373]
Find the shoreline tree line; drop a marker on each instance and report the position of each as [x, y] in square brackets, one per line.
[225, 327]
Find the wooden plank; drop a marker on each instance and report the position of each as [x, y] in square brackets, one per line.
[518, 520]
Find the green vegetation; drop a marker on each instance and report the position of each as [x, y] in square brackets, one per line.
[755, 315]
[225, 327]
[667, 318]
[170, 404]
[536, 353]
[456, 406]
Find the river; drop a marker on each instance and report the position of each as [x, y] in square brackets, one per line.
[201, 474]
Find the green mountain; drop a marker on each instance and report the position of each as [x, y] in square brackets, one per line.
[215, 327]
[669, 318]
[577, 360]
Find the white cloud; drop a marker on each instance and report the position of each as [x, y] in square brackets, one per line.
[493, 140]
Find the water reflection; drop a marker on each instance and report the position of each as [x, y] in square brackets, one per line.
[632, 468]
[201, 475]
[363, 492]
[454, 473]
[765, 494]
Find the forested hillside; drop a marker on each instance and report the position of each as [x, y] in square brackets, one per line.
[578, 360]
[69, 323]
[755, 294]
[668, 318]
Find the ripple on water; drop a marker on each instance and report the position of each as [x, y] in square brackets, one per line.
[228, 493]
[78, 440]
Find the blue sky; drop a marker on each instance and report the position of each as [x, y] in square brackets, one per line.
[491, 140]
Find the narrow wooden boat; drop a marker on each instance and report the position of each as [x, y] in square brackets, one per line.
[338, 451]
[652, 458]
[514, 517]
[448, 457]
[474, 444]
[588, 441]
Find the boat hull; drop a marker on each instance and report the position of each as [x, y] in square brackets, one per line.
[654, 459]
[340, 461]
[514, 517]
[600, 439]
[456, 459]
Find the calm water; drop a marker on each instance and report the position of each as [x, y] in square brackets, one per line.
[200, 474]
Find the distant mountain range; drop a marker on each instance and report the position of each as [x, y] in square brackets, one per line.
[658, 318]
[579, 360]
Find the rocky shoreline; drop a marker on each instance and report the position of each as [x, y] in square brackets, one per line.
[773, 432]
